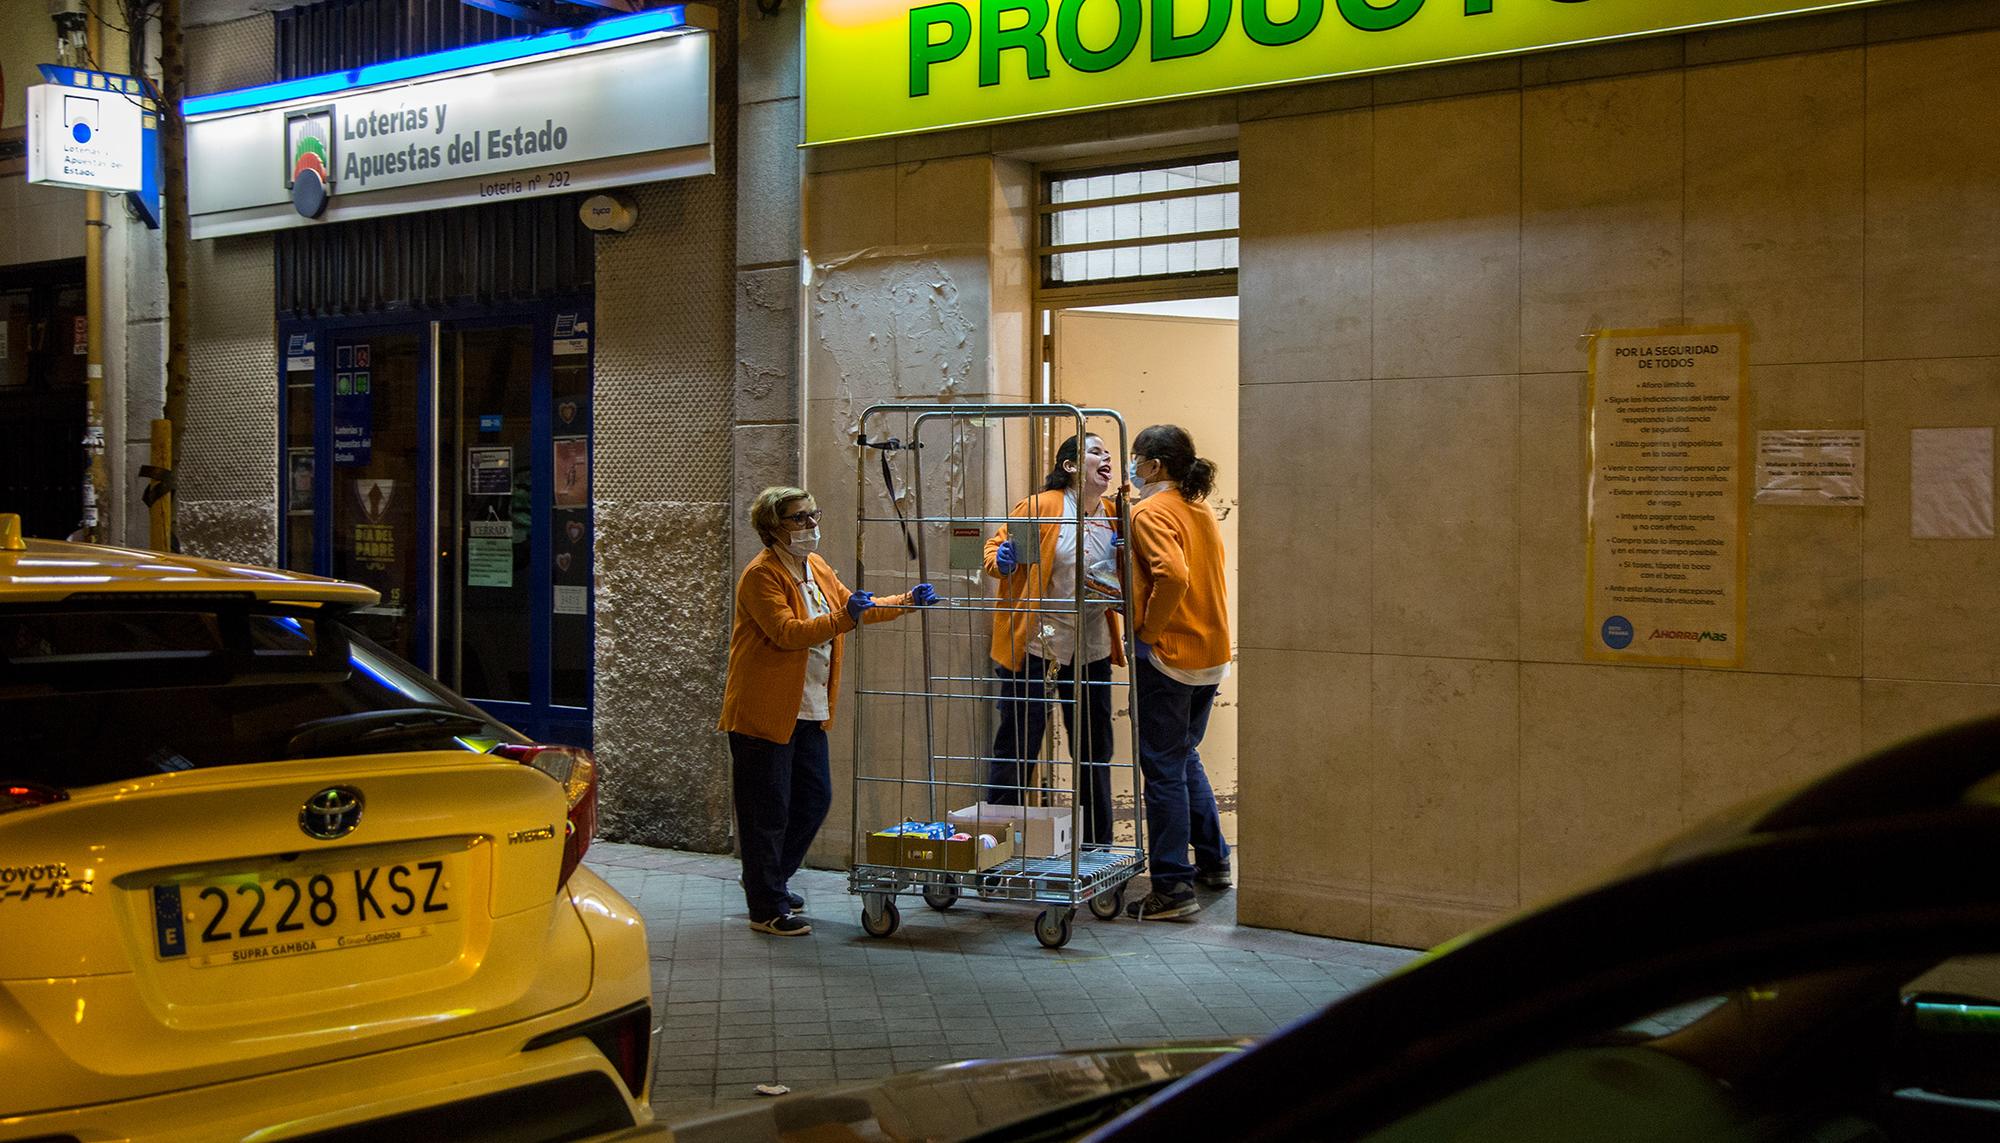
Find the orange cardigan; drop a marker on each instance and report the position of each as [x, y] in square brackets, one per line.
[1181, 605]
[1031, 581]
[770, 640]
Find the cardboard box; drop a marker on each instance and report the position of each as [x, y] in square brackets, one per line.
[1045, 831]
[954, 856]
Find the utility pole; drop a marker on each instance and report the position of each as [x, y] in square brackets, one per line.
[167, 436]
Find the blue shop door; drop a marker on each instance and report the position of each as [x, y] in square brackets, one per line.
[514, 532]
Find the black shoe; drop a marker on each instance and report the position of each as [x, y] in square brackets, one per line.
[797, 904]
[1217, 878]
[1168, 906]
[784, 925]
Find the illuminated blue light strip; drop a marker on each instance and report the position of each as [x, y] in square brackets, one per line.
[437, 63]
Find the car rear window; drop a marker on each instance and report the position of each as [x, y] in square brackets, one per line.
[107, 694]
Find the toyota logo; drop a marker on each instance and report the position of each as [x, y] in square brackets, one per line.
[331, 813]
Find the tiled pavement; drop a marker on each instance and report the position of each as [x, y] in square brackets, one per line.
[739, 1008]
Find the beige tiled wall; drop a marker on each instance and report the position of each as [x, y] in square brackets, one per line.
[1420, 267]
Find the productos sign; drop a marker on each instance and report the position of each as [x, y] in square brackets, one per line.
[890, 67]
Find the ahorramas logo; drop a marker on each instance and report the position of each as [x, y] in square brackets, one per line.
[1690, 636]
[309, 159]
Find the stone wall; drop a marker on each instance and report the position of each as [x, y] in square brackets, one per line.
[226, 503]
[1422, 255]
[662, 436]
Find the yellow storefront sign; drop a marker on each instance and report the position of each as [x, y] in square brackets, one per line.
[890, 67]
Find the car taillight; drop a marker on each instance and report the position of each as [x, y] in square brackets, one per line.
[577, 771]
[25, 795]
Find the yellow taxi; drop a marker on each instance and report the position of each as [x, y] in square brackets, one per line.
[260, 878]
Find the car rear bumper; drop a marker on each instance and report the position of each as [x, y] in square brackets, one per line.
[333, 1100]
[462, 1087]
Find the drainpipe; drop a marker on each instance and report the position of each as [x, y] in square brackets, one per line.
[173, 187]
[95, 498]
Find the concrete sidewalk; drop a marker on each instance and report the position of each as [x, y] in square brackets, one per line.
[739, 1008]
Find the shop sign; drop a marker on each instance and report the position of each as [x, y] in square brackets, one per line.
[890, 67]
[91, 130]
[624, 101]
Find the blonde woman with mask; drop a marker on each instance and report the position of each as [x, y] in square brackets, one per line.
[784, 674]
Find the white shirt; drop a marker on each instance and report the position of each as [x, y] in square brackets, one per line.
[1054, 635]
[813, 705]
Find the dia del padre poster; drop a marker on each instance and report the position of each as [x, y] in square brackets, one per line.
[1665, 512]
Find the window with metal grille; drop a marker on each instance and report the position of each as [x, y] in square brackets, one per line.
[1159, 220]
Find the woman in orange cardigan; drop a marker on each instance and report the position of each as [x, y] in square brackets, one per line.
[784, 672]
[1181, 609]
[1030, 641]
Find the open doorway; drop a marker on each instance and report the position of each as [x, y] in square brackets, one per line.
[1168, 362]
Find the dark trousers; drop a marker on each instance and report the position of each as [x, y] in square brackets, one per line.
[1180, 805]
[782, 795]
[1023, 720]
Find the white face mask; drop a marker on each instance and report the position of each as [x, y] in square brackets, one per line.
[804, 540]
[1132, 470]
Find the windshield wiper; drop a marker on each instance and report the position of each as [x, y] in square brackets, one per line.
[322, 736]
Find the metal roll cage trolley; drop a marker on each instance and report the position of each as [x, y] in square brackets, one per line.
[959, 693]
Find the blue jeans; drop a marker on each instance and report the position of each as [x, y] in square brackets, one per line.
[1180, 805]
[1024, 716]
[782, 794]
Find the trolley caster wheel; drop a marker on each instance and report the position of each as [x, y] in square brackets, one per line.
[940, 897]
[1107, 905]
[1052, 927]
[882, 920]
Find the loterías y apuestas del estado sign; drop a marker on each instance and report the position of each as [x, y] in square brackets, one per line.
[892, 67]
[626, 100]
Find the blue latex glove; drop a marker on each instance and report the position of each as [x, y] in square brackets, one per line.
[1145, 651]
[923, 595]
[859, 602]
[1004, 558]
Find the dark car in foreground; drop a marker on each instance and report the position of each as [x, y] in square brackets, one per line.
[1816, 966]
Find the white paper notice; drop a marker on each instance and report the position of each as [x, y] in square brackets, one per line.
[1814, 467]
[1951, 484]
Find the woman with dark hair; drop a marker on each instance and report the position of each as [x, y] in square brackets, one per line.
[1181, 609]
[777, 701]
[1033, 639]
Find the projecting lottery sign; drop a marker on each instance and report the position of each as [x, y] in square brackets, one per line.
[890, 67]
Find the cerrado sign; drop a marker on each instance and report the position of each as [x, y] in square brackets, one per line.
[891, 67]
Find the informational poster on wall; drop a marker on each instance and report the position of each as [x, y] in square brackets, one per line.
[1665, 513]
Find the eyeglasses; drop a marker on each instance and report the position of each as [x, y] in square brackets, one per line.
[811, 517]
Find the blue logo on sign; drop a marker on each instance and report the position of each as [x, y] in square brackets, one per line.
[80, 132]
[1617, 633]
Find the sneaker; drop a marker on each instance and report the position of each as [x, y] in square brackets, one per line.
[1168, 906]
[797, 904]
[784, 925]
[1217, 878]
